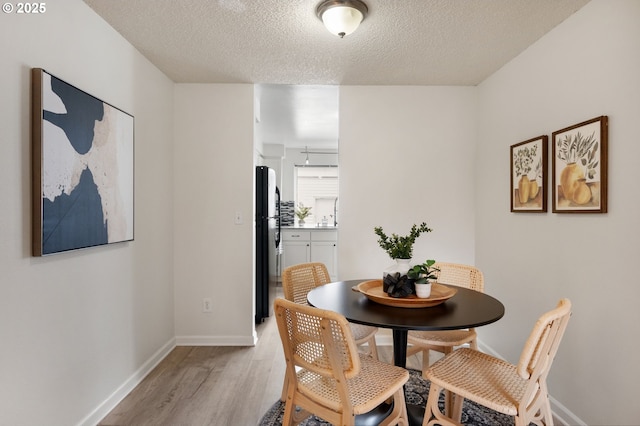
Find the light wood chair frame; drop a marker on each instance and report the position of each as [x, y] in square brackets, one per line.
[326, 374]
[516, 390]
[445, 341]
[299, 280]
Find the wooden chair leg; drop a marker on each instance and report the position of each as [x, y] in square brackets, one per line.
[399, 413]
[448, 403]
[373, 349]
[289, 411]
[546, 407]
[546, 414]
[412, 350]
[432, 415]
[285, 385]
[456, 410]
[425, 362]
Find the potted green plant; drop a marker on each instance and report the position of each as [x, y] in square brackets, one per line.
[400, 248]
[423, 276]
[302, 212]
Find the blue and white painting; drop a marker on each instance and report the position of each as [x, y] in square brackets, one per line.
[86, 170]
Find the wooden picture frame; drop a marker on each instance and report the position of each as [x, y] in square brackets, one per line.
[579, 181]
[529, 175]
[82, 166]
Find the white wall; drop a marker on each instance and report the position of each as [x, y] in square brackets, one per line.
[407, 155]
[76, 326]
[587, 67]
[214, 179]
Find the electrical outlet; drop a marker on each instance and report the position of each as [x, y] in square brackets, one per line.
[206, 304]
[238, 218]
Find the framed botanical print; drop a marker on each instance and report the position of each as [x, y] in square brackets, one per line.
[579, 181]
[529, 175]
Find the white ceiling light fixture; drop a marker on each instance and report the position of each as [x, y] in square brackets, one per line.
[342, 17]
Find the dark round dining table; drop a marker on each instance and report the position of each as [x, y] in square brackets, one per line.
[466, 309]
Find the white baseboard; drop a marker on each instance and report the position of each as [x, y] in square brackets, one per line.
[215, 341]
[562, 413]
[134, 380]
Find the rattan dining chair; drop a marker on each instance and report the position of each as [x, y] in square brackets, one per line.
[326, 374]
[298, 280]
[516, 390]
[445, 341]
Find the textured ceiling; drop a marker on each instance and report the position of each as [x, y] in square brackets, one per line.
[282, 42]
[400, 42]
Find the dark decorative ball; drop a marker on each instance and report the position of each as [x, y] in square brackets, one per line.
[396, 285]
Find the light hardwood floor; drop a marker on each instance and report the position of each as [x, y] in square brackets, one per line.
[221, 386]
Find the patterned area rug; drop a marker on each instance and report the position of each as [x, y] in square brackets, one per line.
[416, 392]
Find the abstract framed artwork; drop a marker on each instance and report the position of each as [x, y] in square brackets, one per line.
[83, 168]
[579, 168]
[529, 175]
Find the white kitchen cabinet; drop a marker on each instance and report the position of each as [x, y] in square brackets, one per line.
[327, 253]
[294, 252]
[302, 246]
[296, 247]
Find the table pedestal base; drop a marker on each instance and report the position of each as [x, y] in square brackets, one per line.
[375, 416]
[415, 414]
[400, 348]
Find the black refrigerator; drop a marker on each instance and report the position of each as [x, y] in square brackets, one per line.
[267, 240]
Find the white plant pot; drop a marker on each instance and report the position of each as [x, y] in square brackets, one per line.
[401, 267]
[423, 291]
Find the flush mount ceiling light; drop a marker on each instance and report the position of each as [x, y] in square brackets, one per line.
[342, 17]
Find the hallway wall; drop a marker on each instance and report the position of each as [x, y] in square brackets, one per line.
[586, 67]
[77, 328]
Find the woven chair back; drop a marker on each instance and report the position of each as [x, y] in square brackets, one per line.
[298, 280]
[460, 275]
[317, 340]
[543, 342]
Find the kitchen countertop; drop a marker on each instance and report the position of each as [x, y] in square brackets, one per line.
[312, 227]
